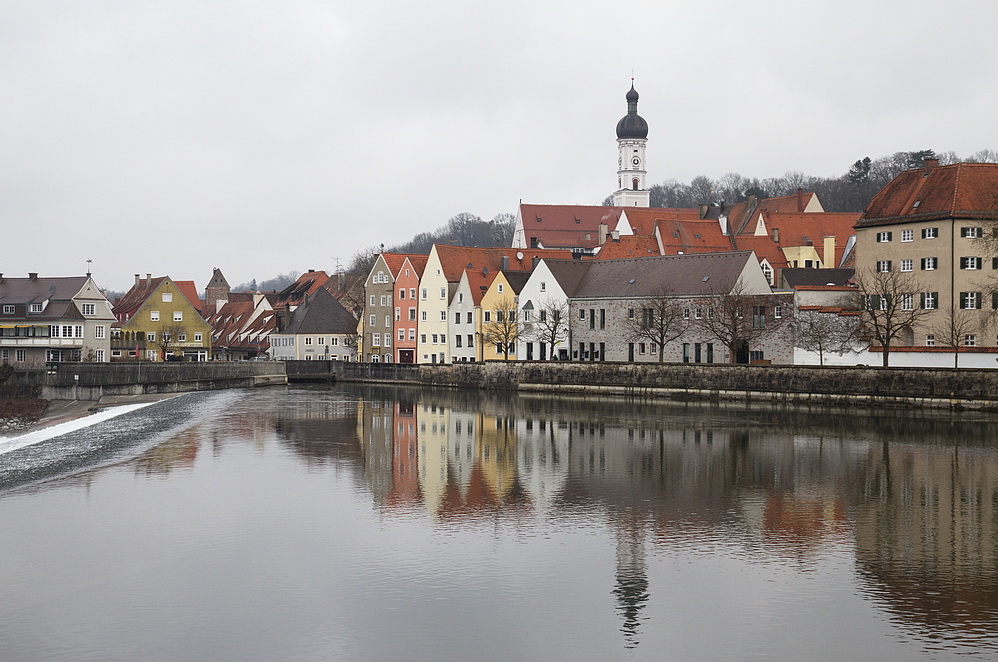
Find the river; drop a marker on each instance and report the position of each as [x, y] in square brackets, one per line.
[367, 523]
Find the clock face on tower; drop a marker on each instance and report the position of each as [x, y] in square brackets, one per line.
[636, 161]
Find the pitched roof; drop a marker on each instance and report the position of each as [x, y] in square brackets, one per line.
[243, 325]
[628, 246]
[125, 307]
[764, 247]
[682, 236]
[418, 262]
[699, 274]
[190, 292]
[933, 192]
[567, 226]
[321, 313]
[479, 283]
[305, 285]
[58, 292]
[644, 219]
[455, 259]
[797, 278]
[742, 212]
[568, 273]
[516, 279]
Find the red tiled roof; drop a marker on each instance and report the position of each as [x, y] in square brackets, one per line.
[742, 212]
[628, 246]
[190, 292]
[125, 307]
[682, 236]
[454, 260]
[764, 247]
[479, 283]
[961, 190]
[644, 219]
[797, 229]
[418, 262]
[566, 226]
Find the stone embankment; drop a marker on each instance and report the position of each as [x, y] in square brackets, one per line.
[945, 388]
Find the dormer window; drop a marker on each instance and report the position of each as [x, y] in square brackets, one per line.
[37, 307]
[8, 310]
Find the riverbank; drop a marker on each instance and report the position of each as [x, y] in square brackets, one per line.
[53, 412]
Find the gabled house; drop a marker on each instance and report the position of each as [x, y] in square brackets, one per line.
[159, 319]
[544, 305]
[465, 315]
[46, 320]
[502, 321]
[241, 326]
[579, 228]
[320, 329]
[381, 311]
[407, 304]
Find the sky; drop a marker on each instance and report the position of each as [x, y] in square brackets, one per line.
[266, 137]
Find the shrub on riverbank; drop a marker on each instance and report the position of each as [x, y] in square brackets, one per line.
[21, 403]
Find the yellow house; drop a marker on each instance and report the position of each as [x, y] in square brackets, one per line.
[158, 319]
[500, 326]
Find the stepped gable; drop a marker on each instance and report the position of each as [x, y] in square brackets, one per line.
[690, 275]
[934, 192]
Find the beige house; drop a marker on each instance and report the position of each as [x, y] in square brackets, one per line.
[936, 226]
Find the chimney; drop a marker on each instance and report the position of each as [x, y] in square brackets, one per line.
[32, 275]
[504, 261]
[138, 279]
[604, 230]
[148, 280]
[929, 164]
[533, 242]
[776, 235]
[534, 261]
[723, 222]
[829, 250]
[703, 210]
[616, 235]
[800, 200]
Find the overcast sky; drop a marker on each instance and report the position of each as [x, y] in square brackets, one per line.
[170, 137]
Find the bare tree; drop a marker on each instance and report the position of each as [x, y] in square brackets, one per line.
[167, 338]
[736, 318]
[889, 305]
[551, 327]
[660, 321]
[824, 332]
[504, 329]
[954, 327]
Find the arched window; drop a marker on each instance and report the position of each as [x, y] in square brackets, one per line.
[634, 184]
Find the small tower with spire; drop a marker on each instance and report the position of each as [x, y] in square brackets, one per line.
[632, 134]
[216, 290]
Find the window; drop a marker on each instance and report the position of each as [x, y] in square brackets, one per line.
[457, 340]
[375, 340]
[401, 293]
[471, 340]
[970, 340]
[153, 315]
[384, 299]
[412, 314]
[970, 232]
[20, 355]
[100, 331]
[500, 316]
[488, 316]
[36, 307]
[198, 337]
[970, 300]
[374, 299]
[422, 315]
[388, 340]
[8, 309]
[166, 337]
[372, 320]
[435, 337]
[907, 235]
[443, 315]
[398, 314]
[930, 300]
[334, 341]
[412, 335]
[883, 237]
[499, 287]
[401, 335]
[412, 293]
[388, 320]
[423, 294]
[698, 313]
[181, 337]
[308, 340]
[422, 338]
[930, 340]
[167, 297]
[883, 266]
[630, 313]
[151, 336]
[443, 292]
[778, 312]
[89, 309]
[686, 314]
[178, 316]
[582, 313]
[758, 317]
[907, 302]
[757, 355]
[470, 317]
[907, 265]
[970, 263]
[929, 263]
[930, 233]
[544, 286]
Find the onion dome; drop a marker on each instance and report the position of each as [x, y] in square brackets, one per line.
[632, 125]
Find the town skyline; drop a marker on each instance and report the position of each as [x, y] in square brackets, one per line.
[171, 139]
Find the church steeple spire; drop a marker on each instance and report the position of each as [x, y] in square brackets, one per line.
[632, 134]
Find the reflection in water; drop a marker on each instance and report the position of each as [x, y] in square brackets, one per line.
[690, 517]
[786, 486]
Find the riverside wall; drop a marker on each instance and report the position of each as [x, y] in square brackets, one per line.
[826, 385]
[91, 381]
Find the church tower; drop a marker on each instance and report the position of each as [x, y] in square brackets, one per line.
[632, 134]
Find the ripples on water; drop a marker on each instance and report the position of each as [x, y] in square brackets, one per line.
[371, 524]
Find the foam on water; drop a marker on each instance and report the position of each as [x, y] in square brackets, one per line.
[8, 444]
